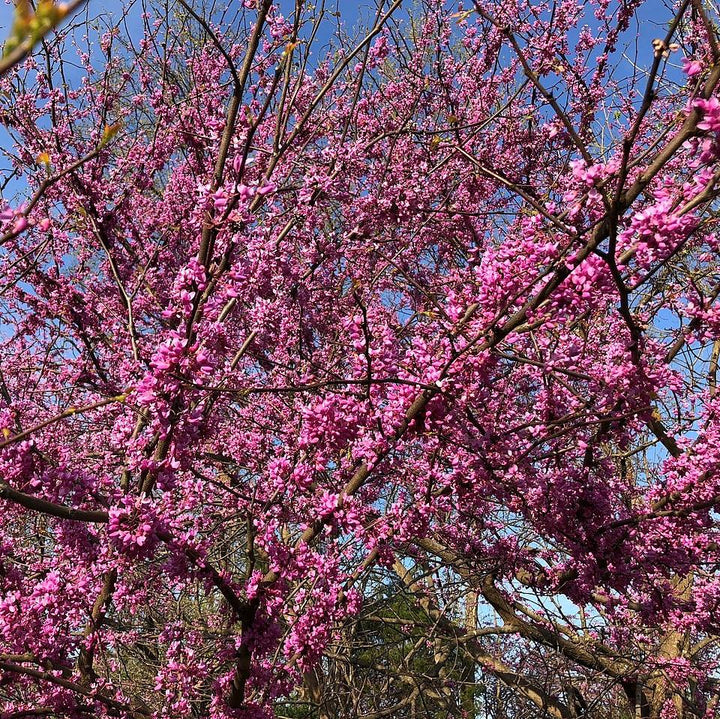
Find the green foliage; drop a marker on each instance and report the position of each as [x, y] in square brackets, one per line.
[30, 26]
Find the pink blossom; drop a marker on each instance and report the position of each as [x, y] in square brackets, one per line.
[711, 114]
[691, 67]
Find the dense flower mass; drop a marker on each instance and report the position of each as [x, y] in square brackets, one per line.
[360, 363]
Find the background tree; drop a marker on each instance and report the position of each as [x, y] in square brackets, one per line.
[360, 372]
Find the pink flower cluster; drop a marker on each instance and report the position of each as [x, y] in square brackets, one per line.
[133, 525]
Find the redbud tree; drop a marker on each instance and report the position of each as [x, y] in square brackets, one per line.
[360, 361]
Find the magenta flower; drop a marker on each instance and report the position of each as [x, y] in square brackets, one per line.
[691, 67]
[711, 114]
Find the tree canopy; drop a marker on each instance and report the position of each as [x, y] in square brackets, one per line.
[360, 361]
